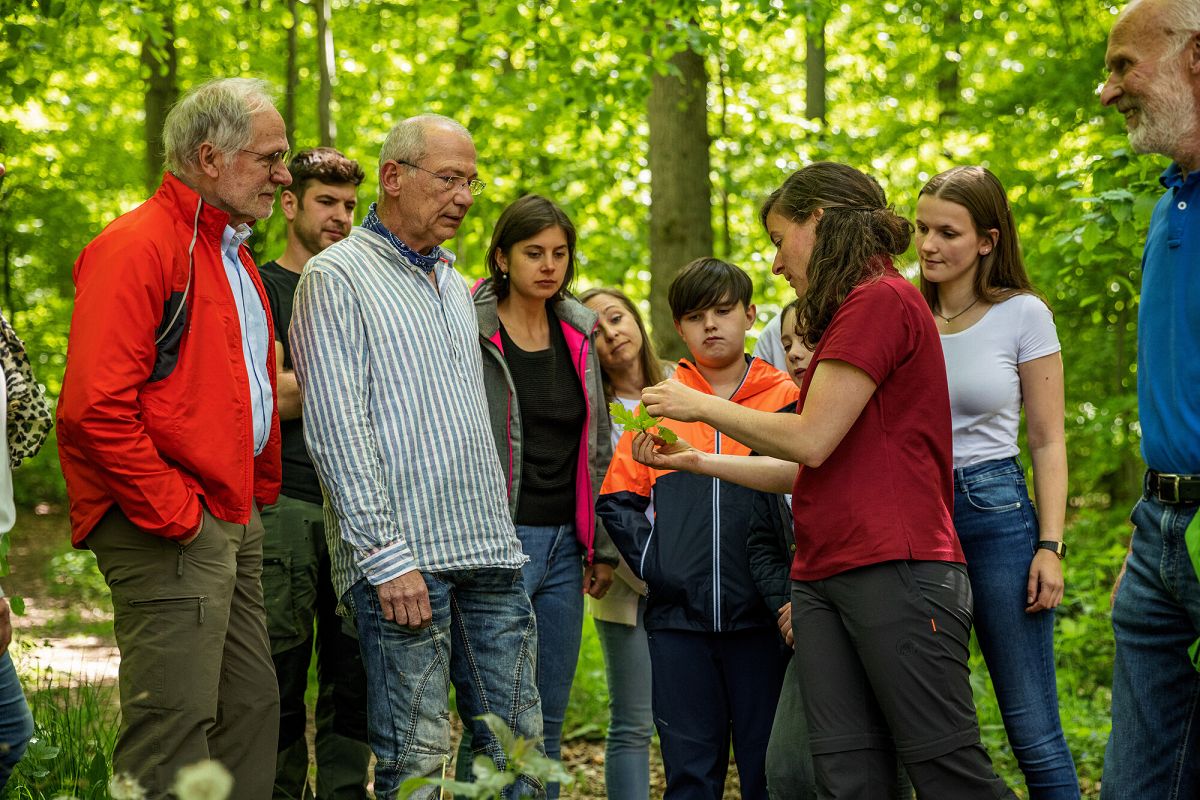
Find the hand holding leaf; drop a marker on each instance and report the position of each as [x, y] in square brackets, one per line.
[640, 422]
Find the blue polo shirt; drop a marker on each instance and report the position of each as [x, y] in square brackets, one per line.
[1169, 329]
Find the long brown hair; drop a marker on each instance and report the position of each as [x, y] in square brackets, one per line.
[652, 367]
[1001, 273]
[855, 228]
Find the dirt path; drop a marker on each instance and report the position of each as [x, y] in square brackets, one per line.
[64, 635]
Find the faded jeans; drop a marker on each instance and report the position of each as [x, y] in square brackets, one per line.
[16, 723]
[1154, 749]
[483, 638]
[998, 529]
[553, 579]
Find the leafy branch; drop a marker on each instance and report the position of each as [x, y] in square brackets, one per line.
[640, 422]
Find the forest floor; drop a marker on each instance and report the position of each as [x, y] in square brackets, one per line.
[65, 639]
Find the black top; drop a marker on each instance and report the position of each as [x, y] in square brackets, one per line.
[299, 476]
[553, 413]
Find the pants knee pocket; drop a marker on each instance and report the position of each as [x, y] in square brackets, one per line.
[283, 618]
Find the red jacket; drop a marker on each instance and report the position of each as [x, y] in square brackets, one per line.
[155, 410]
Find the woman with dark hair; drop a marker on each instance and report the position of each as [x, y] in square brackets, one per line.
[628, 364]
[1002, 353]
[880, 596]
[546, 400]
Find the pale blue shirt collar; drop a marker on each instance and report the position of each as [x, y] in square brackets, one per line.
[232, 239]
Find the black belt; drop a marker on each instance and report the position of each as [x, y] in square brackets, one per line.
[1172, 489]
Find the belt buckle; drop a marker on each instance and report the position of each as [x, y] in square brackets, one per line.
[1174, 479]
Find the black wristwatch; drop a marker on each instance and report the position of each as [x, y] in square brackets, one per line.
[1058, 548]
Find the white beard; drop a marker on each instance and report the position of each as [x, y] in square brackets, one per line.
[1167, 119]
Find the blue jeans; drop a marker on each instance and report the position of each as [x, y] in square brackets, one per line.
[998, 529]
[631, 720]
[482, 638]
[16, 723]
[1154, 749]
[553, 579]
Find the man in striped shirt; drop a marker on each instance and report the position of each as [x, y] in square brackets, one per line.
[422, 547]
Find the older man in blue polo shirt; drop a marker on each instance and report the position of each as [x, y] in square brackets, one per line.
[1153, 61]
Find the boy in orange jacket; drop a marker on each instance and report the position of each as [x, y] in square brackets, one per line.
[716, 658]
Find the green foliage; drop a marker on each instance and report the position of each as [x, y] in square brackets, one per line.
[70, 754]
[555, 94]
[640, 422]
[522, 757]
[72, 574]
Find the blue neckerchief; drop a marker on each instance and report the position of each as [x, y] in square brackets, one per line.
[425, 263]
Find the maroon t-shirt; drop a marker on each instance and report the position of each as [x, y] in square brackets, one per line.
[886, 492]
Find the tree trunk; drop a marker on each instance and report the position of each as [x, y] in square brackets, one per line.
[724, 166]
[326, 132]
[951, 55]
[292, 80]
[814, 62]
[159, 60]
[680, 190]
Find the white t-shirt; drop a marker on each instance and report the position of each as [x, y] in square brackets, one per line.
[981, 369]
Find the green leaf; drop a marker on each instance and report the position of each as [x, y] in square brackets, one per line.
[621, 416]
[645, 421]
[667, 435]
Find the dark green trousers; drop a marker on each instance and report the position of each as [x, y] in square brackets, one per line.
[300, 600]
[196, 680]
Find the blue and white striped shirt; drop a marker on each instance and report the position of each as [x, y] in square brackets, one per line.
[395, 417]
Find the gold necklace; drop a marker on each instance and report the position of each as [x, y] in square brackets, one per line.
[953, 317]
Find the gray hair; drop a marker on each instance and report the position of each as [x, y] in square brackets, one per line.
[1181, 20]
[406, 140]
[218, 112]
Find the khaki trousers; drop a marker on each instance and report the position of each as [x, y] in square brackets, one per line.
[196, 679]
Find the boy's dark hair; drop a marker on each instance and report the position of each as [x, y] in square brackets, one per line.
[708, 282]
[324, 164]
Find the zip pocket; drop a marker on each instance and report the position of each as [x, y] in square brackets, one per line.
[199, 600]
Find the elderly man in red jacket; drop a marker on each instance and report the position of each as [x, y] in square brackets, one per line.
[169, 441]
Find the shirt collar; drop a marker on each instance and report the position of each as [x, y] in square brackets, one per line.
[1172, 176]
[232, 239]
[425, 263]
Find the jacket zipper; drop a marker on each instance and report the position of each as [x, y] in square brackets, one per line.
[716, 544]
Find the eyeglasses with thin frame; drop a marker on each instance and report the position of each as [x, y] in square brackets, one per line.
[452, 183]
[270, 160]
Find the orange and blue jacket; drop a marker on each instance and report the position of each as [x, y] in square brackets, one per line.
[693, 554]
[154, 414]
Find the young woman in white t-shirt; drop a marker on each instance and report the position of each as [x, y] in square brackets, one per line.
[1002, 354]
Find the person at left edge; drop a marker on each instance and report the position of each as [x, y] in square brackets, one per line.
[169, 442]
[319, 209]
[16, 723]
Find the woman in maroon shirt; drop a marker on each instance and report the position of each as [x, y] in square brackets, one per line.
[881, 605]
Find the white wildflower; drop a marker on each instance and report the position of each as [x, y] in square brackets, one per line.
[204, 780]
[124, 786]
